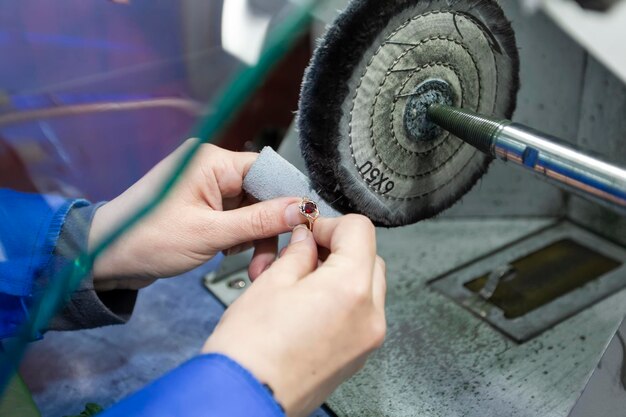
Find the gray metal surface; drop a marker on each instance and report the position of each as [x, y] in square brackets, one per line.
[231, 279]
[547, 316]
[227, 287]
[605, 394]
[440, 360]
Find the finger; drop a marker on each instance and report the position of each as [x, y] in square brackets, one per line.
[264, 255]
[230, 168]
[236, 250]
[351, 237]
[299, 259]
[221, 173]
[379, 286]
[258, 221]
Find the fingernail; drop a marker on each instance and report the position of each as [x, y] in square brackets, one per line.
[293, 216]
[300, 233]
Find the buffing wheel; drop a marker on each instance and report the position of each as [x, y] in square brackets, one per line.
[368, 145]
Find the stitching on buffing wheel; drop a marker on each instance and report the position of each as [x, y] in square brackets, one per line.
[420, 175]
[395, 101]
[369, 63]
[476, 23]
[487, 36]
[371, 127]
[419, 197]
[423, 174]
[402, 55]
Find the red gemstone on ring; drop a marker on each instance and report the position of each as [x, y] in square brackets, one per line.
[309, 208]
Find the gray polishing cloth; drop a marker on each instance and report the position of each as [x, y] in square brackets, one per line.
[271, 176]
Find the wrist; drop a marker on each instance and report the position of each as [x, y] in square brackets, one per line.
[124, 264]
[107, 264]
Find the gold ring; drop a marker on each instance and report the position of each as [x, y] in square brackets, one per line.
[309, 209]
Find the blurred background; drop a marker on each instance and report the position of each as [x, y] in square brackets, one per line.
[96, 92]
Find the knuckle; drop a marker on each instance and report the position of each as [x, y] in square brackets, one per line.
[378, 332]
[261, 223]
[210, 148]
[381, 264]
[382, 285]
[358, 293]
[208, 152]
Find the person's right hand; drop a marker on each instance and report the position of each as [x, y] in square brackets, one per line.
[303, 328]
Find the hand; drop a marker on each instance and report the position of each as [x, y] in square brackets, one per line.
[204, 214]
[304, 329]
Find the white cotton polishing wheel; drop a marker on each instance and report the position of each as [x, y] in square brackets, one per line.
[368, 145]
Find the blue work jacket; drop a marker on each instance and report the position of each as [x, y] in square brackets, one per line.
[208, 385]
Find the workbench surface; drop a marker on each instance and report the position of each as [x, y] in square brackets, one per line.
[439, 359]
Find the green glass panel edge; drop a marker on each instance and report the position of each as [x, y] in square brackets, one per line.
[17, 400]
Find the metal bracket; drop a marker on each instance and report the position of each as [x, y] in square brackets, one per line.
[231, 279]
[548, 315]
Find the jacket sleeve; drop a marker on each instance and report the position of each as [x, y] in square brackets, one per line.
[206, 386]
[39, 234]
[30, 225]
[86, 308]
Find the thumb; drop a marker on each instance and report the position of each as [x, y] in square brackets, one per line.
[258, 221]
[299, 258]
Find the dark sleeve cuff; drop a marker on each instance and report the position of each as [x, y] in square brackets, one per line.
[207, 386]
[87, 309]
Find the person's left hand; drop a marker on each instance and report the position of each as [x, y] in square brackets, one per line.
[206, 213]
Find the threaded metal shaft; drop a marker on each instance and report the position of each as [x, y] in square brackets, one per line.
[475, 129]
